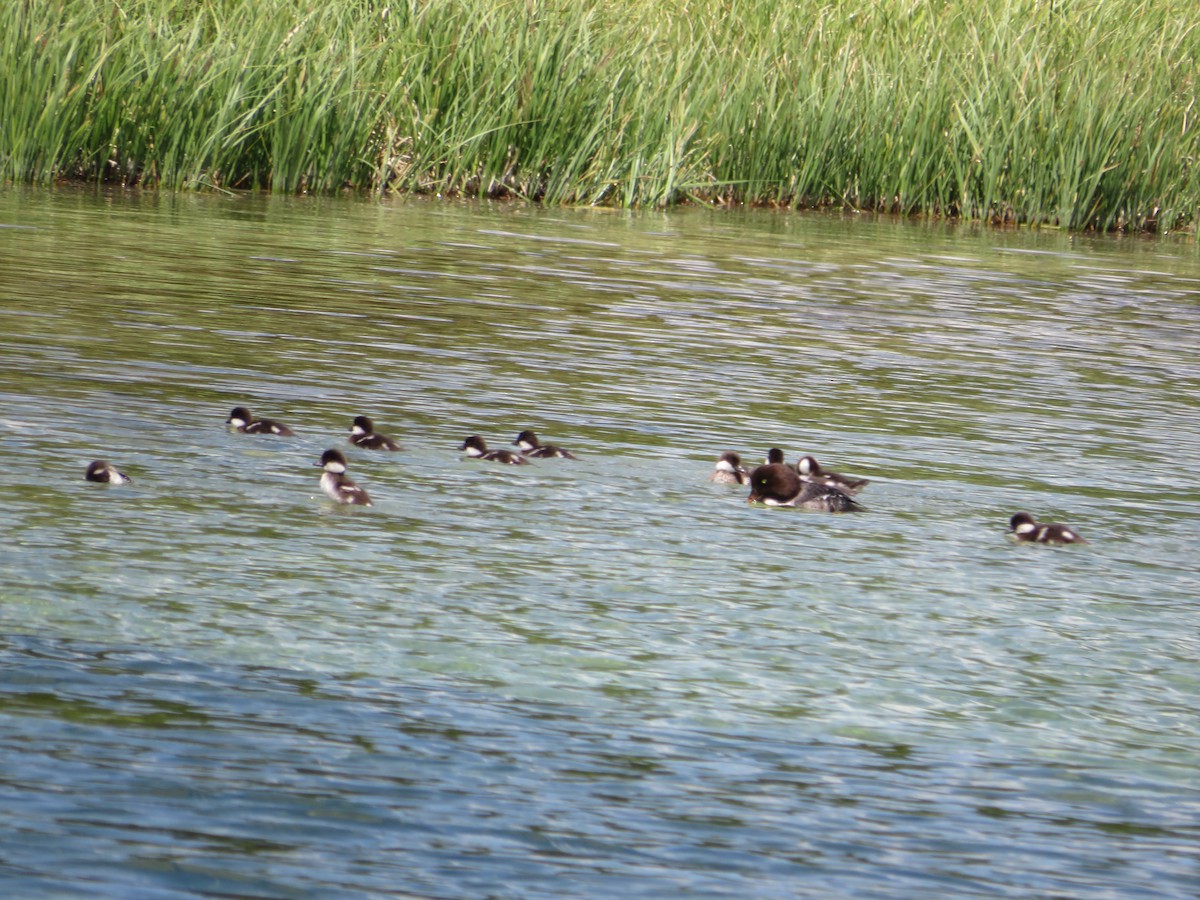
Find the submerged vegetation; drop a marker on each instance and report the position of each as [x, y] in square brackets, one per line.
[1070, 112]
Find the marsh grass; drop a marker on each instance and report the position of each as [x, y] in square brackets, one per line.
[1075, 114]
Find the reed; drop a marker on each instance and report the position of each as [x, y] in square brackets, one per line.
[1070, 113]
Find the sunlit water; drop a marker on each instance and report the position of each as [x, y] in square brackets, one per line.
[607, 676]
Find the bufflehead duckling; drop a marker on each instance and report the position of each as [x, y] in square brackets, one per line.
[363, 434]
[729, 470]
[1026, 528]
[810, 470]
[242, 421]
[527, 441]
[774, 456]
[477, 449]
[336, 484]
[105, 473]
[777, 484]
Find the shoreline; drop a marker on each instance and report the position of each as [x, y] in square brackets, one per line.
[1011, 115]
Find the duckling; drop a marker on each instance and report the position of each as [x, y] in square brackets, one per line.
[1026, 528]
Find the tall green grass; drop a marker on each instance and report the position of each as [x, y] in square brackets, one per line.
[1072, 113]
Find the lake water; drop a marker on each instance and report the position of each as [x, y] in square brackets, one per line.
[604, 677]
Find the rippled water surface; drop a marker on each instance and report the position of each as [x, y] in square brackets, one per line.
[607, 676]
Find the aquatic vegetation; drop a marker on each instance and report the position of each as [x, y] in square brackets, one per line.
[1072, 114]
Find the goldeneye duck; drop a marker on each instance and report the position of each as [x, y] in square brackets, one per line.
[528, 443]
[363, 434]
[336, 484]
[729, 470]
[107, 474]
[1026, 528]
[477, 449]
[777, 484]
[810, 470]
[774, 456]
[242, 421]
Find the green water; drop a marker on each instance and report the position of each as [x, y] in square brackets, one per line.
[605, 675]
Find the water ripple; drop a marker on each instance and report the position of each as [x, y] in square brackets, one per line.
[605, 675]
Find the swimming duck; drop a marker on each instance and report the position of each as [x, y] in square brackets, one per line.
[777, 484]
[810, 470]
[242, 421]
[729, 470]
[528, 444]
[107, 474]
[1026, 528]
[477, 449]
[364, 435]
[337, 484]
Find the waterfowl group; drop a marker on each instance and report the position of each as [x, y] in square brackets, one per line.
[809, 469]
[804, 485]
[808, 485]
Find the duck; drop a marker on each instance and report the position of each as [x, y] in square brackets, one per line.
[1025, 527]
[105, 473]
[477, 449]
[242, 421]
[337, 484]
[810, 470]
[527, 443]
[778, 484]
[364, 435]
[729, 470]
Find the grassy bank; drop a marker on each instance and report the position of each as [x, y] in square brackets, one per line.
[1068, 112]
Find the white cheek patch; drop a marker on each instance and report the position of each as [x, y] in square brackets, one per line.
[1024, 528]
[238, 423]
[725, 466]
[357, 430]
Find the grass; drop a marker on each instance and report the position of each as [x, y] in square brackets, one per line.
[1069, 113]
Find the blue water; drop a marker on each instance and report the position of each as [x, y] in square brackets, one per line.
[607, 676]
